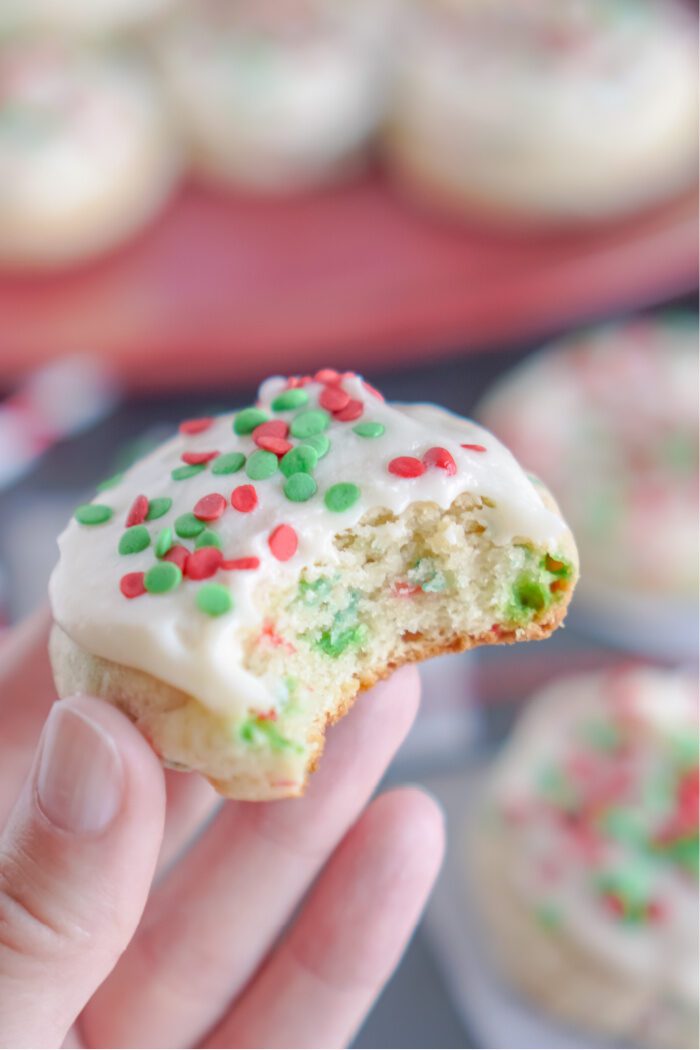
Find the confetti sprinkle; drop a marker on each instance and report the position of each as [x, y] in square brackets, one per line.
[342, 496]
[195, 458]
[248, 419]
[138, 512]
[229, 463]
[204, 563]
[369, 430]
[158, 507]
[372, 390]
[406, 467]
[333, 398]
[301, 460]
[290, 399]
[196, 426]
[475, 448]
[274, 444]
[214, 599]
[164, 542]
[208, 538]
[283, 542]
[299, 487]
[132, 585]
[162, 578]
[189, 471]
[353, 410]
[134, 540]
[93, 514]
[261, 465]
[244, 498]
[110, 483]
[187, 526]
[210, 507]
[241, 564]
[327, 375]
[441, 458]
[179, 556]
[313, 421]
[320, 443]
[274, 428]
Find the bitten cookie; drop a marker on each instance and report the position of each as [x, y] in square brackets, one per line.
[585, 861]
[272, 96]
[236, 589]
[86, 156]
[546, 111]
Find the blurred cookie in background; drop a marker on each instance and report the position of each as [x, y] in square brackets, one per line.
[86, 152]
[276, 95]
[609, 419]
[546, 111]
[585, 858]
[77, 18]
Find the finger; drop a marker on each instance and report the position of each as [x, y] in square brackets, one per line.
[322, 980]
[191, 804]
[26, 694]
[76, 862]
[214, 918]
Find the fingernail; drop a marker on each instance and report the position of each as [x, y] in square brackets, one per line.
[80, 777]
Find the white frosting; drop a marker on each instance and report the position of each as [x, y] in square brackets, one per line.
[566, 106]
[167, 636]
[656, 710]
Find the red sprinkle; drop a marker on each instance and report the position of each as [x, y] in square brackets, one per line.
[178, 555]
[137, 512]
[406, 467]
[195, 426]
[273, 428]
[475, 448]
[296, 381]
[283, 542]
[244, 498]
[353, 410]
[241, 563]
[204, 562]
[268, 716]
[404, 589]
[372, 390]
[327, 375]
[198, 457]
[333, 398]
[132, 585]
[210, 507]
[273, 444]
[656, 911]
[440, 457]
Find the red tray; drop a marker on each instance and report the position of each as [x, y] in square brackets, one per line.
[229, 288]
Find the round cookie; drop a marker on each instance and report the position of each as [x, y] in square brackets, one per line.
[616, 406]
[234, 590]
[86, 155]
[82, 18]
[546, 111]
[584, 862]
[275, 97]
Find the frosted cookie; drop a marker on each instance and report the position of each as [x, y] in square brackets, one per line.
[616, 406]
[546, 110]
[86, 156]
[83, 18]
[236, 589]
[586, 856]
[275, 96]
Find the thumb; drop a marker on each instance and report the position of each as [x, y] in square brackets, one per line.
[76, 862]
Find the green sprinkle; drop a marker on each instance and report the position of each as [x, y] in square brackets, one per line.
[214, 599]
[208, 538]
[299, 460]
[259, 731]
[369, 430]
[188, 471]
[313, 421]
[228, 463]
[333, 642]
[318, 442]
[548, 916]
[93, 514]
[294, 398]
[601, 735]
[342, 496]
[427, 576]
[261, 464]
[315, 591]
[158, 507]
[164, 542]
[248, 419]
[163, 577]
[300, 487]
[109, 483]
[187, 526]
[134, 540]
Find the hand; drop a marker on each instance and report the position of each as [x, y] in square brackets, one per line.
[136, 910]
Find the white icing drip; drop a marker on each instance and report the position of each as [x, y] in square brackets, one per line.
[166, 636]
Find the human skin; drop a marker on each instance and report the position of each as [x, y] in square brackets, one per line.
[138, 910]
